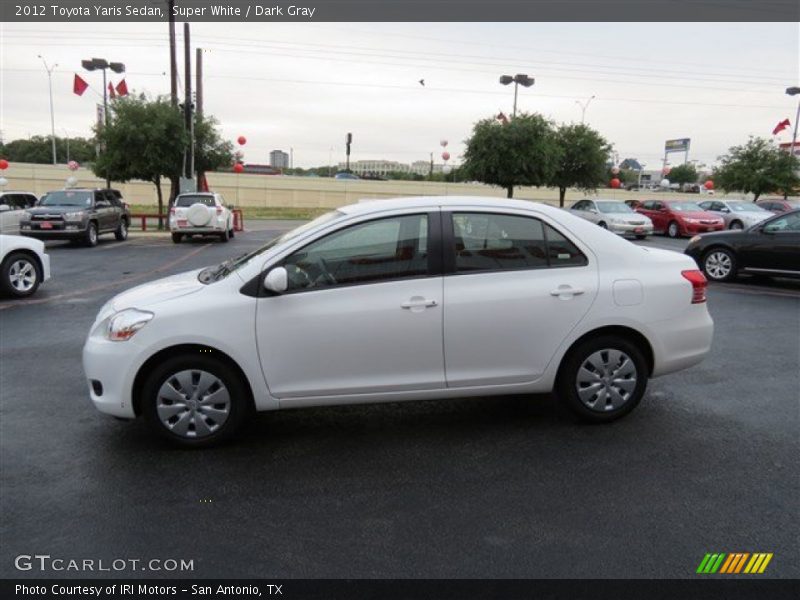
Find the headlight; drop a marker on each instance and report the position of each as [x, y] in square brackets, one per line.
[28, 214]
[74, 216]
[694, 239]
[124, 325]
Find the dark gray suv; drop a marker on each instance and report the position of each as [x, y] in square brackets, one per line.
[79, 215]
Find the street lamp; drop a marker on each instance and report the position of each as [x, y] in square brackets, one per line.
[517, 80]
[49, 70]
[102, 64]
[584, 106]
[794, 91]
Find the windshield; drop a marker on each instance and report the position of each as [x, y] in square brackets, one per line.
[614, 207]
[229, 266]
[67, 198]
[194, 199]
[685, 206]
[746, 207]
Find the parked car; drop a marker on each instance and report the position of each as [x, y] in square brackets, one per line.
[78, 215]
[614, 215]
[737, 214]
[771, 247]
[633, 203]
[24, 265]
[346, 175]
[678, 218]
[405, 299]
[778, 205]
[12, 209]
[200, 213]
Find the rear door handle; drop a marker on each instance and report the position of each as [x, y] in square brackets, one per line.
[566, 292]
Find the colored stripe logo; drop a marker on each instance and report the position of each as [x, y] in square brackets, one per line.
[734, 563]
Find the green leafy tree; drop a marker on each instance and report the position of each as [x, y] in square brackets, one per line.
[211, 152]
[39, 149]
[523, 151]
[757, 167]
[682, 174]
[144, 139]
[582, 159]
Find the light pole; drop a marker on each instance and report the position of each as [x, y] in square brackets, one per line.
[793, 91]
[102, 64]
[517, 80]
[584, 106]
[49, 70]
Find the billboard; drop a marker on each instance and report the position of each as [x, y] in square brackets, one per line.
[679, 145]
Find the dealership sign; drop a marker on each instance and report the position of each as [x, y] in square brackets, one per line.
[679, 145]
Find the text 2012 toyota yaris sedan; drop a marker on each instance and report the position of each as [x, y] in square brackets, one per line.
[405, 299]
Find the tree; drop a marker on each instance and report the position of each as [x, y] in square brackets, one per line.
[211, 152]
[144, 139]
[582, 159]
[39, 149]
[521, 152]
[757, 167]
[685, 173]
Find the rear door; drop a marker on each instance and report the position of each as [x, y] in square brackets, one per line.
[514, 287]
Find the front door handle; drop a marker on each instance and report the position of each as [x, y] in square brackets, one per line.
[417, 303]
[565, 292]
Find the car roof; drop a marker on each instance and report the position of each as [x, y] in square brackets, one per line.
[4, 192]
[367, 206]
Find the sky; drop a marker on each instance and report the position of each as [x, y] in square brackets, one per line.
[305, 85]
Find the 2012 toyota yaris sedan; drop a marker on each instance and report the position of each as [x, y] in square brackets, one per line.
[406, 299]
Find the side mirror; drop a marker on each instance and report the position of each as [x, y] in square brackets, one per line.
[4, 207]
[277, 280]
[725, 210]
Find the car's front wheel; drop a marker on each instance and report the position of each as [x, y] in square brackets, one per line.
[90, 237]
[602, 379]
[195, 400]
[19, 275]
[673, 229]
[719, 264]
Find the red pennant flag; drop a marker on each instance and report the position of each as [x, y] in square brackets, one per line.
[502, 118]
[111, 93]
[780, 127]
[79, 85]
[122, 88]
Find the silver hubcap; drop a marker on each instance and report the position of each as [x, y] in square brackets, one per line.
[22, 275]
[123, 229]
[92, 234]
[673, 230]
[718, 265]
[193, 403]
[736, 225]
[606, 380]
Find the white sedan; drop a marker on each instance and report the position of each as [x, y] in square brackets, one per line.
[24, 265]
[406, 299]
[201, 213]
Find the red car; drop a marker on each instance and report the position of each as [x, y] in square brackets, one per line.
[679, 217]
[779, 205]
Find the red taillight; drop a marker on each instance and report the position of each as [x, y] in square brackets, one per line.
[172, 210]
[699, 285]
[219, 210]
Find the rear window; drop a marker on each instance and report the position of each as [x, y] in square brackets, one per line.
[184, 201]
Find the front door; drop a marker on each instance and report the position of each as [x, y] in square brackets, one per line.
[774, 246]
[363, 314]
[517, 288]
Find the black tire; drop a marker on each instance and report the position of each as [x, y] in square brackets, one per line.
[239, 408]
[25, 278]
[719, 264]
[224, 236]
[673, 229]
[90, 238]
[231, 233]
[121, 232]
[177, 237]
[567, 381]
[640, 236]
[736, 225]
[603, 225]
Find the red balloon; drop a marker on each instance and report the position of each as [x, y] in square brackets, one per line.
[3, 164]
[615, 183]
[709, 185]
[238, 168]
[73, 165]
[445, 156]
[665, 171]
[242, 140]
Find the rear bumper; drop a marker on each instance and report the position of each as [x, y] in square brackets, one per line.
[682, 342]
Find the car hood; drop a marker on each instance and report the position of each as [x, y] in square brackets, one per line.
[54, 210]
[160, 290]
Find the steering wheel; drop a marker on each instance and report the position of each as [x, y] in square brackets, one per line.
[325, 272]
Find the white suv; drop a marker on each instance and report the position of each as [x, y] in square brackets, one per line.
[405, 299]
[200, 214]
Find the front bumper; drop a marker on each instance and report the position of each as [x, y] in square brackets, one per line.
[113, 365]
[70, 231]
[695, 228]
[629, 229]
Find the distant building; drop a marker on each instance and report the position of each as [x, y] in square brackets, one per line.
[279, 159]
[382, 168]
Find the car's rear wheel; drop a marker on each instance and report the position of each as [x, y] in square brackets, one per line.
[224, 236]
[603, 379]
[719, 264]
[20, 275]
[122, 230]
[177, 237]
[90, 238]
[603, 225]
[673, 229]
[195, 400]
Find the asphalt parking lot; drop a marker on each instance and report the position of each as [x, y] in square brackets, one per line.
[487, 487]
